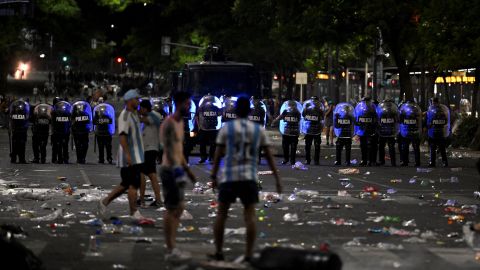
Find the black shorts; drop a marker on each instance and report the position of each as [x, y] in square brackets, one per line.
[247, 191]
[131, 176]
[173, 192]
[150, 165]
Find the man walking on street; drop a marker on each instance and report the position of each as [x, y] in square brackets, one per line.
[130, 156]
[173, 173]
[239, 140]
[151, 126]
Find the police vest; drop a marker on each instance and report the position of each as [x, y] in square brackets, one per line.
[61, 124]
[313, 123]
[292, 123]
[102, 124]
[343, 127]
[387, 126]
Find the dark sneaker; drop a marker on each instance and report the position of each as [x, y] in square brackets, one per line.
[156, 204]
[216, 257]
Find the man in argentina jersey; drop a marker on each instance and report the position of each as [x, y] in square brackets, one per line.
[239, 141]
[130, 155]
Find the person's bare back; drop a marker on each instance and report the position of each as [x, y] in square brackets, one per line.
[171, 134]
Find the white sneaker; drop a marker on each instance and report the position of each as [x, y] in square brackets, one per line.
[177, 255]
[102, 208]
[137, 215]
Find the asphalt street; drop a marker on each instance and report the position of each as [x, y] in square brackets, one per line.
[366, 229]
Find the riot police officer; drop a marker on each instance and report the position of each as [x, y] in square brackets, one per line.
[365, 128]
[438, 129]
[258, 114]
[104, 125]
[209, 122]
[41, 119]
[62, 111]
[343, 119]
[387, 113]
[290, 116]
[81, 128]
[228, 105]
[190, 126]
[312, 125]
[19, 115]
[410, 129]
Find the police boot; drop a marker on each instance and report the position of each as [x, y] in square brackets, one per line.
[348, 151]
[338, 160]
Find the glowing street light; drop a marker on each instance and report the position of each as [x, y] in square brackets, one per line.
[42, 55]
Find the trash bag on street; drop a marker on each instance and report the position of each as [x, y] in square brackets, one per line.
[15, 255]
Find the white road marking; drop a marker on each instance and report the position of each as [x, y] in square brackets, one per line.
[85, 177]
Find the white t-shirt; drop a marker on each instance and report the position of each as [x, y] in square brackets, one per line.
[151, 131]
[243, 140]
[129, 125]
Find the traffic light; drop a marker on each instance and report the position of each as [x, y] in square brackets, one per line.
[119, 60]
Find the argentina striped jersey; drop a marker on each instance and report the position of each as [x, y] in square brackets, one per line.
[129, 125]
[243, 140]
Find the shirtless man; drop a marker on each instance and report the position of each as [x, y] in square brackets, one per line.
[173, 172]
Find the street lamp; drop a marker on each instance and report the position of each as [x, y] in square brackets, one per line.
[42, 55]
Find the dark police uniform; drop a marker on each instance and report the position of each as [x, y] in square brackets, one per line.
[81, 127]
[410, 128]
[290, 116]
[41, 119]
[343, 119]
[62, 111]
[104, 124]
[209, 117]
[312, 128]
[387, 113]
[19, 115]
[258, 114]
[366, 129]
[438, 129]
[229, 113]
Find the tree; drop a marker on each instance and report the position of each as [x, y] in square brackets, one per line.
[398, 22]
[450, 29]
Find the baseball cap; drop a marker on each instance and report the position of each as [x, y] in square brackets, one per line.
[131, 94]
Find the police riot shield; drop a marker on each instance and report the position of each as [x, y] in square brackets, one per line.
[410, 120]
[81, 117]
[258, 112]
[312, 120]
[209, 116]
[62, 111]
[229, 104]
[161, 106]
[19, 115]
[438, 121]
[365, 118]
[387, 114]
[104, 119]
[292, 115]
[42, 117]
[189, 119]
[343, 119]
